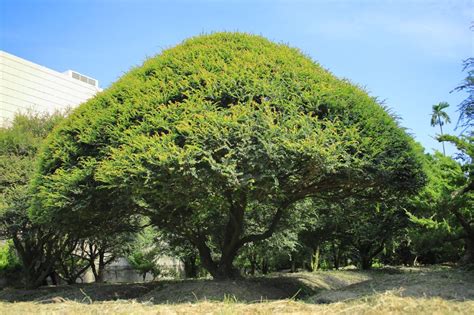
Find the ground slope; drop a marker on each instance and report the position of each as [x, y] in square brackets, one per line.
[389, 291]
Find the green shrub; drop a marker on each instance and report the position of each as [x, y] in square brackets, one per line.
[9, 260]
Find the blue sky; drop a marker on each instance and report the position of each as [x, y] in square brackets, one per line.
[408, 53]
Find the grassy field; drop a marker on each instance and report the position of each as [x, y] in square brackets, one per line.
[390, 291]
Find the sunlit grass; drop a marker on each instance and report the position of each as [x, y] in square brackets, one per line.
[387, 303]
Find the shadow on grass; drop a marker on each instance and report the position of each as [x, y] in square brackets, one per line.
[319, 287]
[427, 282]
[255, 289]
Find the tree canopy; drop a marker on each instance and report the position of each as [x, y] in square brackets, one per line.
[37, 246]
[216, 140]
[466, 108]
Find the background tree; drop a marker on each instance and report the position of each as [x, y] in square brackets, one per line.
[439, 117]
[371, 227]
[144, 252]
[466, 108]
[182, 249]
[71, 264]
[353, 230]
[38, 246]
[102, 249]
[460, 201]
[280, 251]
[218, 139]
[445, 206]
[325, 235]
[10, 264]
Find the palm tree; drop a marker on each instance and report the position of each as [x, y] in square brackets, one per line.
[440, 117]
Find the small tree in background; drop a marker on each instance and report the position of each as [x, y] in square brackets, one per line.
[144, 253]
[439, 117]
[71, 265]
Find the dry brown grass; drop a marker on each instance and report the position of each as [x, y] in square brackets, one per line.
[381, 304]
[434, 290]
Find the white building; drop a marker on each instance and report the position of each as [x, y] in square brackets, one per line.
[25, 86]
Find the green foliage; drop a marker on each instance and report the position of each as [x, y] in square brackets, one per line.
[439, 117]
[216, 140]
[37, 246]
[144, 263]
[372, 226]
[356, 229]
[19, 144]
[144, 253]
[466, 108]
[445, 206]
[26, 132]
[9, 260]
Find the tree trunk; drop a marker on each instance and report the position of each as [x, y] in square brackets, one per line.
[441, 128]
[35, 278]
[35, 271]
[265, 266]
[365, 259]
[315, 259]
[233, 239]
[94, 270]
[468, 257]
[293, 263]
[54, 278]
[101, 269]
[335, 255]
[367, 253]
[365, 262]
[253, 263]
[226, 269]
[190, 266]
[222, 270]
[70, 281]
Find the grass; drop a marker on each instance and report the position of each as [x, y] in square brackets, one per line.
[274, 287]
[399, 291]
[380, 304]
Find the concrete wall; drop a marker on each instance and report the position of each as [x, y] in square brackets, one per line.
[25, 85]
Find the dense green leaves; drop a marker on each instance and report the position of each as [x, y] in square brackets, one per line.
[445, 205]
[37, 246]
[216, 140]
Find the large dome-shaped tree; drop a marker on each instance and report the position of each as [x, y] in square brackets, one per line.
[216, 140]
